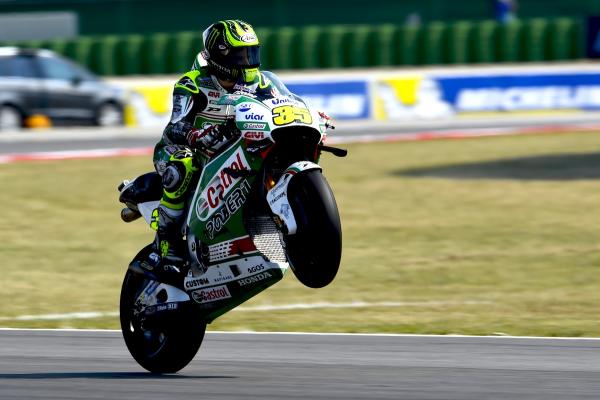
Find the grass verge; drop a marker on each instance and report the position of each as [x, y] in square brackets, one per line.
[475, 236]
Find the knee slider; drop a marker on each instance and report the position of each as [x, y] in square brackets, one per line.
[173, 176]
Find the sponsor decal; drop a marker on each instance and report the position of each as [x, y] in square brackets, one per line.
[256, 268]
[254, 135]
[255, 117]
[211, 294]
[160, 307]
[248, 38]
[255, 125]
[524, 98]
[196, 282]
[282, 101]
[222, 278]
[245, 107]
[246, 90]
[277, 197]
[254, 278]
[214, 94]
[212, 197]
[232, 203]
[522, 92]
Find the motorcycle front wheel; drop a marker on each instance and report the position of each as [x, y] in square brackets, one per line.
[160, 347]
[315, 250]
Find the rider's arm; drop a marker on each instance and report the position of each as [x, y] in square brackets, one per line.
[185, 107]
[188, 101]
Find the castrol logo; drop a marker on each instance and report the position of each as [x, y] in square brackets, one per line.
[222, 183]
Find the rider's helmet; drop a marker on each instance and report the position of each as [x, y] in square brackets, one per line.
[231, 50]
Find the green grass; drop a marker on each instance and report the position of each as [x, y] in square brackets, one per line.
[476, 236]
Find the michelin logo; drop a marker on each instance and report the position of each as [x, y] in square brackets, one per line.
[528, 98]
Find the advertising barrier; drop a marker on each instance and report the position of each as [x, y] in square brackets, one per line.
[418, 95]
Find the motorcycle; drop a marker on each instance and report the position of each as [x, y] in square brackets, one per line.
[260, 207]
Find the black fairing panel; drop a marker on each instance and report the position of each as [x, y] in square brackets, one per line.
[147, 187]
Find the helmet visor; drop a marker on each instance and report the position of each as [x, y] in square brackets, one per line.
[247, 56]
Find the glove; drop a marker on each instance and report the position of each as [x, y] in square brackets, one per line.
[204, 138]
[212, 135]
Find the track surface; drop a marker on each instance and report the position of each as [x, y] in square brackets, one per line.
[96, 365]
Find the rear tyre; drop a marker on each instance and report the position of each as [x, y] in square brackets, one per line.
[315, 250]
[163, 347]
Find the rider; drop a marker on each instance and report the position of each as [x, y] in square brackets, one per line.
[228, 63]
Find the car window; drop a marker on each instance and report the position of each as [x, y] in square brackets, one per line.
[3, 66]
[55, 68]
[17, 66]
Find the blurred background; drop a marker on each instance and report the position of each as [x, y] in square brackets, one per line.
[150, 38]
[138, 38]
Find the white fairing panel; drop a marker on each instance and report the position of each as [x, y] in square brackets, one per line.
[146, 209]
[278, 195]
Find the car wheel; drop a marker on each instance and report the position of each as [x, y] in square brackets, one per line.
[109, 114]
[10, 118]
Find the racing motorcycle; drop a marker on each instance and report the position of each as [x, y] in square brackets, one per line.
[261, 206]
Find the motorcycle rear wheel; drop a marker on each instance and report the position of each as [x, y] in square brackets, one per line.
[315, 250]
[159, 348]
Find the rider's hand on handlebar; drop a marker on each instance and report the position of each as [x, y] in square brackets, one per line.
[212, 135]
[201, 138]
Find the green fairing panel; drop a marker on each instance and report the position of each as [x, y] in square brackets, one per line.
[217, 205]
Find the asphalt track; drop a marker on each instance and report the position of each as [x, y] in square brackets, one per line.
[41, 364]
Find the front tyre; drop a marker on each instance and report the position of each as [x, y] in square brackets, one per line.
[315, 250]
[159, 348]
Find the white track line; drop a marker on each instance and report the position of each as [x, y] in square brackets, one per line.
[280, 307]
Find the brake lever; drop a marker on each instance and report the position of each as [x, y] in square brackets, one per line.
[334, 150]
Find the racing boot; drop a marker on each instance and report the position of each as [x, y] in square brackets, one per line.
[169, 266]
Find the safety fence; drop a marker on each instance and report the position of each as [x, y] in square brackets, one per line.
[340, 46]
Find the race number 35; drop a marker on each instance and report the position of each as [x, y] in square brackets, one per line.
[284, 115]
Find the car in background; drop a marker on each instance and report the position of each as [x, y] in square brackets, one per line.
[39, 82]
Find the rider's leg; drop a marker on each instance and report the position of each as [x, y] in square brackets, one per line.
[177, 179]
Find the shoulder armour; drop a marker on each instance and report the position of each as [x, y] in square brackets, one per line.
[188, 81]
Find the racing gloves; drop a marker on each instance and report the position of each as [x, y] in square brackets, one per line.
[209, 137]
